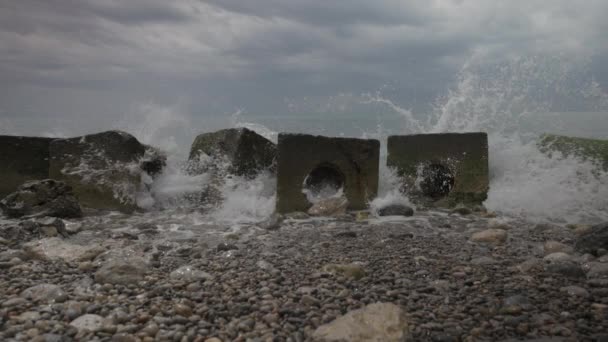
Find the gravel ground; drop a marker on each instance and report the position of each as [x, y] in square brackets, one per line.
[165, 278]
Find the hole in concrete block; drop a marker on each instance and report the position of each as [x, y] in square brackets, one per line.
[437, 181]
[324, 181]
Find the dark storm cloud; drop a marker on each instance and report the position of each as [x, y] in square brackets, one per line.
[217, 55]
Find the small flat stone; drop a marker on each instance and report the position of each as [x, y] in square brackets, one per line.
[490, 236]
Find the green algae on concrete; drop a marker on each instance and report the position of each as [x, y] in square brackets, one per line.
[457, 161]
[22, 159]
[353, 163]
[585, 148]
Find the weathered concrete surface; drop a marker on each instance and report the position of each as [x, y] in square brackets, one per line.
[22, 159]
[422, 160]
[102, 169]
[594, 149]
[247, 152]
[356, 160]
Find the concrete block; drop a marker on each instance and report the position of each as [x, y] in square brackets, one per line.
[307, 161]
[442, 169]
[247, 152]
[22, 159]
[102, 169]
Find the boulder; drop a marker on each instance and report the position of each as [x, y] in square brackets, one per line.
[441, 169]
[245, 152]
[593, 239]
[103, 169]
[308, 165]
[379, 322]
[42, 198]
[587, 149]
[396, 210]
[22, 159]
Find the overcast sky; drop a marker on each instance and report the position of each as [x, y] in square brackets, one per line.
[92, 61]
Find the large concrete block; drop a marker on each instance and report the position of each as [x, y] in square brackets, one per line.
[444, 169]
[309, 161]
[22, 159]
[246, 152]
[103, 169]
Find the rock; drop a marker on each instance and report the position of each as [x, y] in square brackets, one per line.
[297, 215]
[29, 316]
[88, 322]
[123, 272]
[396, 210]
[491, 236]
[223, 247]
[566, 268]
[462, 210]
[103, 169]
[329, 207]
[557, 257]
[354, 271]
[48, 293]
[380, 322]
[528, 265]
[189, 274]
[14, 302]
[272, 223]
[484, 260]
[58, 249]
[22, 159]
[598, 270]
[153, 161]
[42, 198]
[246, 152]
[575, 291]
[593, 240]
[555, 246]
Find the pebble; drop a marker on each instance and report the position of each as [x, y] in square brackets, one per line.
[88, 322]
[491, 236]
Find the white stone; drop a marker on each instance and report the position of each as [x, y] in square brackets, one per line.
[88, 322]
[379, 322]
[492, 236]
[58, 249]
[48, 293]
[189, 273]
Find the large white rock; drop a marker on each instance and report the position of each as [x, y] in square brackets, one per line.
[379, 322]
[58, 249]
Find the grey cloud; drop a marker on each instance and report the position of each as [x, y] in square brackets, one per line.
[219, 55]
